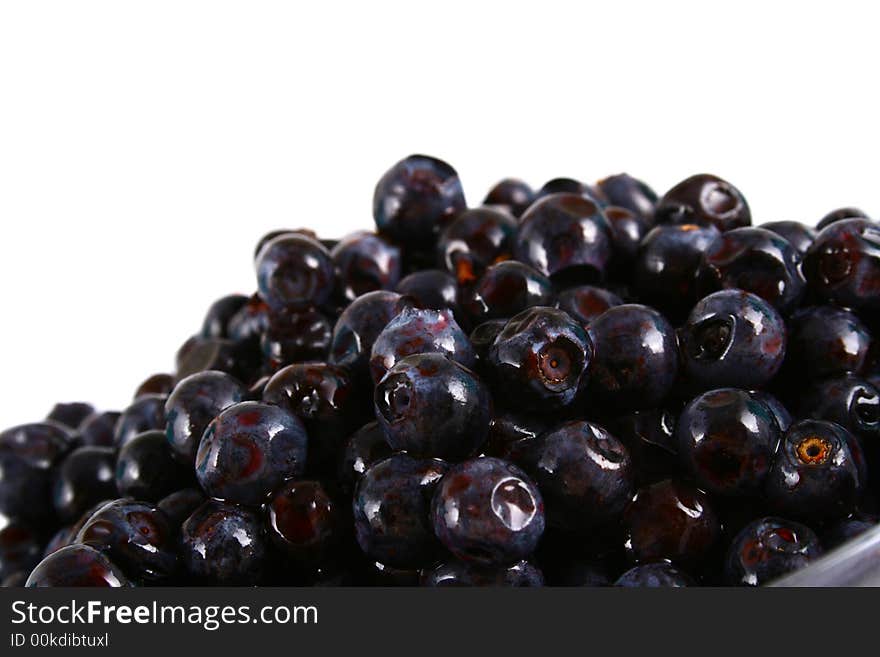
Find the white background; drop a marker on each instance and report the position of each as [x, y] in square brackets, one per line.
[145, 146]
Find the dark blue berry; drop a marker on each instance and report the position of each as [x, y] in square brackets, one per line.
[71, 414]
[622, 190]
[365, 262]
[98, 429]
[303, 520]
[216, 322]
[769, 548]
[147, 470]
[661, 574]
[363, 448]
[586, 302]
[504, 290]
[359, 325]
[474, 241]
[459, 573]
[145, 414]
[511, 194]
[77, 565]
[826, 342]
[294, 272]
[19, 547]
[797, 234]
[705, 200]
[84, 478]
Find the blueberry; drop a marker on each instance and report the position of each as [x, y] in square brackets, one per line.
[506, 289]
[77, 565]
[238, 359]
[483, 337]
[71, 415]
[649, 437]
[155, 384]
[303, 520]
[769, 548]
[460, 573]
[295, 338]
[363, 448]
[249, 450]
[666, 265]
[475, 240]
[826, 342]
[586, 302]
[627, 231]
[727, 440]
[624, 191]
[732, 339]
[84, 478]
[818, 474]
[144, 414]
[294, 272]
[487, 511]
[416, 199]
[566, 237]
[661, 574]
[191, 406]
[417, 331]
[843, 264]
[28, 454]
[851, 402]
[431, 406]
[798, 235]
[540, 360]
[146, 468]
[179, 505]
[433, 289]
[849, 528]
[757, 261]
[636, 357]
[705, 200]
[512, 194]
[364, 262]
[564, 185]
[224, 544]
[391, 510]
[250, 322]
[19, 547]
[98, 429]
[510, 427]
[136, 536]
[670, 520]
[216, 322]
[839, 215]
[584, 473]
[323, 397]
[278, 232]
[780, 412]
[359, 325]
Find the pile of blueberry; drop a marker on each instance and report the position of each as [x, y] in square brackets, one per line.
[583, 385]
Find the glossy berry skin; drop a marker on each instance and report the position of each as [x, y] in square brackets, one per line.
[294, 272]
[850, 401]
[97, 430]
[475, 240]
[295, 338]
[780, 412]
[625, 191]
[565, 237]
[145, 414]
[826, 342]
[250, 322]
[77, 565]
[564, 185]
[364, 262]
[223, 544]
[322, 396]
[839, 215]
[179, 505]
[216, 322]
[627, 231]
[732, 339]
[459, 573]
[28, 454]
[431, 406]
[666, 265]
[819, 473]
[727, 440]
[769, 548]
[636, 357]
[249, 450]
[191, 406]
[302, 520]
[363, 448]
[510, 430]
[649, 437]
[238, 359]
[843, 264]
[19, 547]
[584, 473]
[705, 200]
[483, 337]
[512, 194]
[433, 289]
[797, 234]
[506, 289]
[391, 510]
[416, 199]
[757, 261]
[670, 520]
[359, 325]
[841, 532]
[418, 331]
[272, 234]
[136, 536]
[660, 574]
[70, 414]
[540, 360]
[147, 470]
[487, 511]
[85, 477]
[156, 384]
[586, 302]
